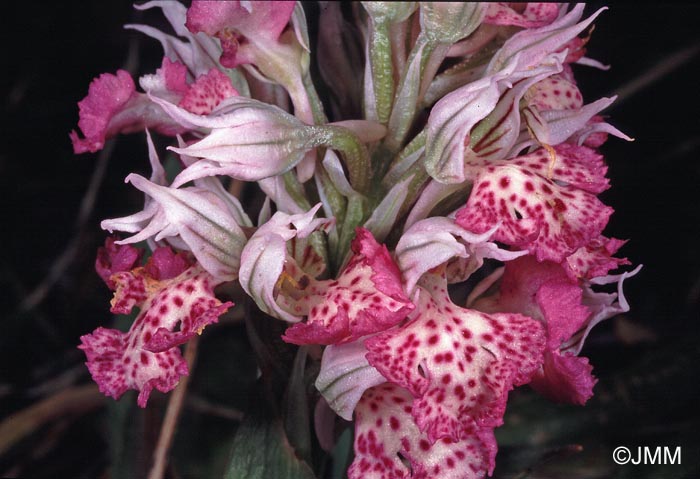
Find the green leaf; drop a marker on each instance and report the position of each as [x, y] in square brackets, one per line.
[261, 451]
[296, 408]
[342, 454]
[128, 455]
[273, 355]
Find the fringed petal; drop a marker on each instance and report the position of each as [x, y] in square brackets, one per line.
[146, 357]
[458, 363]
[367, 297]
[536, 205]
[389, 445]
[107, 95]
[565, 378]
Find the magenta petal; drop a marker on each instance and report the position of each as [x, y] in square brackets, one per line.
[560, 303]
[521, 280]
[264, 19]
[175, 75]
[147, 356]
[458, 363]
[367, 297]
[207, 92]
[536, 205]
[385, 433]
[545, 291]
[107, 95]
[535, 14]
[565, 378]
[165, 264]
[257, 21]
[113, 258]
[595, 259]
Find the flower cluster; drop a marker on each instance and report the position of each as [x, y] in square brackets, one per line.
[454, 148]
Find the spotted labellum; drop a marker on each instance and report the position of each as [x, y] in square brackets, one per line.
[473, 171]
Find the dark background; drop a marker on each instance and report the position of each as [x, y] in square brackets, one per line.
[647, 361]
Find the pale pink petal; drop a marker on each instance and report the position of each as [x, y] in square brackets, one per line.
[602, 306]
[250, 140]
[528, 48]
[596, 132]
[345, 375]
[458, 363]
[196, 217]
[264, 256]
[494, 136]
[199, 53]
[449, 124]
[385, 433]
[147, 356]
[561, 125]
[435, 241]
[554, 93]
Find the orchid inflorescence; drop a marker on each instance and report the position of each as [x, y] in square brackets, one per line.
[474, 168]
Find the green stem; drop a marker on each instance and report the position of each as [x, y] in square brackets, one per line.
[354, 216]
[319, 115]
[393, 176]
[353, 152]
[407, 94]
[382, 69]
[420, 177]
[296, 190]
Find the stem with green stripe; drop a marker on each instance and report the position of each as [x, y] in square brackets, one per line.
[382, 68]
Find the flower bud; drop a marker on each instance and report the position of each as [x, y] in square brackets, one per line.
[449, 22]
